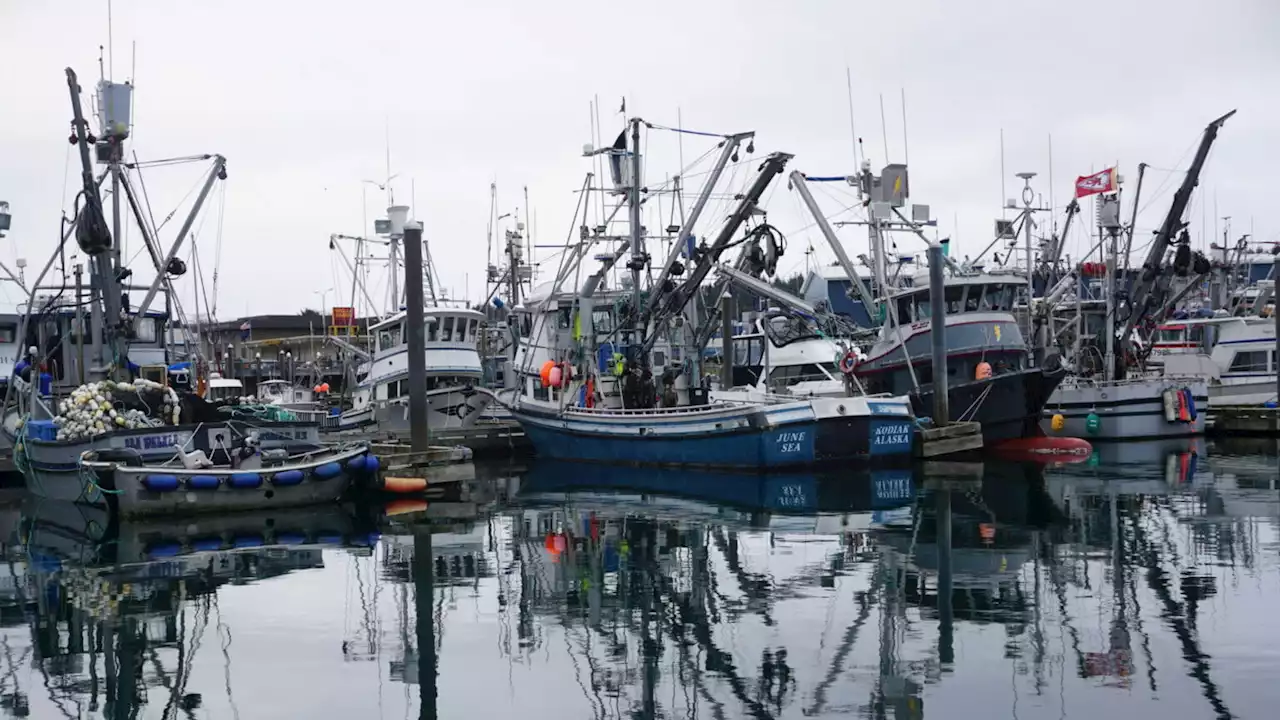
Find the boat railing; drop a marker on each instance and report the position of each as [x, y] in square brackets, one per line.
[1140, 379]
[651, 412]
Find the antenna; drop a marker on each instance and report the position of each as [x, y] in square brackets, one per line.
[391, 196]
[853, 135]
[1004, 215]
[883, 132]
[111, 51]
[528, 232]
[906, 155]
[1053, 218]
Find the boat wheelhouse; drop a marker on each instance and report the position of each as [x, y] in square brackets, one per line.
[988, 376]
[453, 372]
[783, 354]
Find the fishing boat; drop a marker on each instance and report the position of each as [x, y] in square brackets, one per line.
[455, 395]
[989, 377]
[613, 373]
[85, 338]
[1113, 394]
[236, 475]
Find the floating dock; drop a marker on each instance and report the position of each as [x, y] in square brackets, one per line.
[484, 439]
[1245, 420]
[949, 440]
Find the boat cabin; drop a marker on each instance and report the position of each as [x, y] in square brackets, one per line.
[450, 334]
[222, 389]
[982, 332]
[784, 352]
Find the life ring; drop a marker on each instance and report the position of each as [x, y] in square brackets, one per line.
[849, 363]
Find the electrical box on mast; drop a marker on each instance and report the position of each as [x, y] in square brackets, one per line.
[115, 105]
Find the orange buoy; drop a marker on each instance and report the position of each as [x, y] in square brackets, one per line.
[324, 387]
[545, 373]
[555, 377]
[404, 485]
[402, 506]
[591, 392]
[983, 371]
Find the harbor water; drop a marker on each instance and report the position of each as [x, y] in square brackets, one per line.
[1140, 583]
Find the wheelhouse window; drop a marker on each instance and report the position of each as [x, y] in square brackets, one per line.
[8, 334]
[147, 330]
[788, 375]
[433, 329]
[955, 299]
[973, 301]
[389, 338]
[1250, 361]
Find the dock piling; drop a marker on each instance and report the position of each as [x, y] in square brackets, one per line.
[938, 333]
[415, 338]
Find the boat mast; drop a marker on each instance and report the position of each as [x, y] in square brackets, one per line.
[639, 258]
[95, 239]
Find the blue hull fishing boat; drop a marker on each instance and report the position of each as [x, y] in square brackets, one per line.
[611, 371]
[728, 435]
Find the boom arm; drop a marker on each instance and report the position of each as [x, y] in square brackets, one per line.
[1144, 295]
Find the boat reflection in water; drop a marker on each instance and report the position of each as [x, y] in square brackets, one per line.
[1129, 584]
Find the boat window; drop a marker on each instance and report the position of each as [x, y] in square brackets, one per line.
[146, 330]
[564, 318]
[433, 327]
[955, 299]
[788, 375]
[659, 358]
[924, 310]
[446, 329]
[389, 338]
[1169, 335]
[1250, 361]
[748, 351]
[905, 310]
[1196, 334]
[8, 334]
[602, 320]
[472, 327]
[973, 301]
[784, 329]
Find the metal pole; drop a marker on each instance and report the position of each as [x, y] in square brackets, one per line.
[96, 324]
[1031, 286]
[218, 170]
[938, 334]
[1109, 358]
[415, 337]
[80, 325]
[726, 341]
[638, 256]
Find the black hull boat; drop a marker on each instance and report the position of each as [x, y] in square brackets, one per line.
[1009, 405]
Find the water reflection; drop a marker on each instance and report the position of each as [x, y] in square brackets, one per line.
[1135, 582]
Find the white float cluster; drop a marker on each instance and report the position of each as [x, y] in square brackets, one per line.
[99, 407]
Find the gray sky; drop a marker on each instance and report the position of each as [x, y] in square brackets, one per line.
[298, 95]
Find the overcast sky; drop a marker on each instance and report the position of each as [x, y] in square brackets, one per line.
[299, 97]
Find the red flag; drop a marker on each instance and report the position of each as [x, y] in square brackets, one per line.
[1102, 182]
